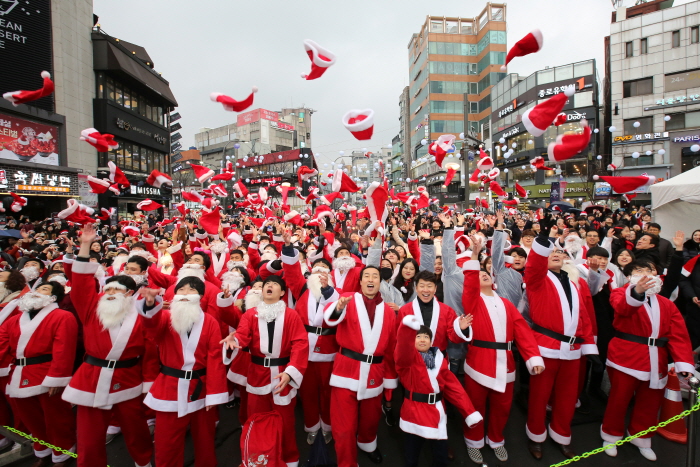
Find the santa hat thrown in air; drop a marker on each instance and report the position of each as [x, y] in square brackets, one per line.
[627, 184]
[18, 202]
[527, 45]
[560, 120]
[100, 186]
[330, 197]
[538, 163]
[193, 196]
[475, 176]
[377, 197]
[22, 97]
[116, 175]
[182, 208]
[343, 183]
[485, 163]
[628, 197]
[101, 142]
[294, 217]
[240, 190]
[130, 231]
[210, 221]
[493, 173]
[323, 211]
[148, 205]
[219, 190]
[440, 147]
[541, 116]
[612, 167]
[321, 59]
[202, 173]
[224, 176]
[567, 146]
[521, 192]
[496, 188]
[305, 173]
[208, 204]
[485, 203]
[511, 202]
[106, 214]
[451, 171]
[231, 104]
[360, 123]
[157, 179]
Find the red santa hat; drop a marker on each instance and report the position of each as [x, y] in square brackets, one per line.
[451, 171]
[18, 202]
[219, 190]
[284, 191]
[208, 204]
[323, 211]
[101, 142]
[330, 197]
[541, 116]
[130, 231]
[230, 103]
[343, 183]
[628, 197]
[462, 244]
[689, 266]
[626, 184]
[377, 197]
[360, 123]
[493, 173]
[116, 175]
[538, 163]
[193, 196]
[485, 163]
[520, 191]
[224, 176]
[475, 176]
[560, 120]
[529, 44]
[496, 188]
[107, 213]
[440, 147]
[148, 205]
[321, 59]
[294, 217]
[210, 221]
[202, 173]
[100, 186]
[157, 179]
[182, 208]
[22, 97]
[240, 190]
[511, 202]
[567, 146]
[612, 167]
[305, 173]
[262, 193]
[313, 194]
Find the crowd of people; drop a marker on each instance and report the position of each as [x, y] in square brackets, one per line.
[146, 327]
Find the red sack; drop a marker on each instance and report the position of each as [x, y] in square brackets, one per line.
[261, 440]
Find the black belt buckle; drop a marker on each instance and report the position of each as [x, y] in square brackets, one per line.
[369, 359]
[318, 331]
[111, 364]
[651, 342]
[432, 398]
[572, 340]
[266, 362]
[188, 375]
[22, 361]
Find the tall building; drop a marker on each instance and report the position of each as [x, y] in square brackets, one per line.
[653, 98]
[453, 64]
[403, 146]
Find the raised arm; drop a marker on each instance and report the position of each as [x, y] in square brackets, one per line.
[291, 267]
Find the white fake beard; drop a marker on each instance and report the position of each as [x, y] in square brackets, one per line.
[118, 262]
[4, 292]
[141, 253]
[571, 271]
[343, 264]
[30, 273]
[112, 309]
[57, 278]
[140, 279]
[253, 299]
[269, 313]
[165, 261]
[34, 301]
[218, 247]
[313, 283]
[268, 256]
[654, 290]
[232, 264]
[232, 280]
[573, 244]
[184, 312]
[190, 270]
[310, 252]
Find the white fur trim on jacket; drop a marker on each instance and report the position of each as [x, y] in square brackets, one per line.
[459, 332]
[412, 322]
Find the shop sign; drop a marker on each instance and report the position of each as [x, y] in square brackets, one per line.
[602, 189]
[282, 126]
[690, 99]
[28, 141]
[541, 191]
[34, 181]
[513, 131]
[508, 109]
[256, 115]
[144, 190]
[87, 197]
[558, 89]
[575, 116]
[128, 126]
[686, 138]
[265, 180]
[640, 138]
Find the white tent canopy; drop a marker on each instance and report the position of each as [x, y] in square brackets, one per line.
[676, 203]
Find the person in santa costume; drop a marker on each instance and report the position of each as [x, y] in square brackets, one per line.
[311, 295]
[279, 352]
[563, 333]
[489, 367]
[648, 330]
[363, 367]
[40, 344]
[192, 377]
[427, 380]
[111, 380]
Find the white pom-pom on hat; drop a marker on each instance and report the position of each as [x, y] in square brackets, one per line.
[255, 89]
[45, 74]
[596, 177]
[570, 91]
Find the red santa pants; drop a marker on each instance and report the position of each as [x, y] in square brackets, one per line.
[358, 424]
[499, 409]
[92, 431]
[264, 403]
[243, 406]
[560, 380]
[48, 418]
[644, 414]
[170, 437]
[315, 394]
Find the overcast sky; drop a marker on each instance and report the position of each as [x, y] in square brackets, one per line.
[204, 46]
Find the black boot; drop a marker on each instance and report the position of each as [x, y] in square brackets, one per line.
[375, 456]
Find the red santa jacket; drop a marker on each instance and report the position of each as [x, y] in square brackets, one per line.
[201, 349]
[355, 333]
[656, 317]
[348, 282]
[443, 324]
[101, 387]
[5, 314]
[322, 347]
[421, 418]
[550, 309]
[289, 340]
[52, 332]
[495, 320]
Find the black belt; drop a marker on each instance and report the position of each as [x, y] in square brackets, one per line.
[34, 360]
[493, 345]
[267, 362]
[360, 357]
[555, 335]
[111, 363]
[650, 341]
[427, 398]
[187, 375]
[320, 331]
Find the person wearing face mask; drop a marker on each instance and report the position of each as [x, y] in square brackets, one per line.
[118, 364]
[279, 353]
[192, 377]
[648, 330]
[311, 295]
[40, 343]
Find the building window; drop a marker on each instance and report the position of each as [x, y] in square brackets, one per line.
[135, 158]
[436, 26]
[643, 46]
[695, 34]
[467, 28]
[473, 107]
[675, 39]
[451, 27]
[108, 88]
[472, 88]
[643, 159]
[683, 120]
[646, 125]
[639, 87]
[629, 49]
[497, 14]
[523, 142]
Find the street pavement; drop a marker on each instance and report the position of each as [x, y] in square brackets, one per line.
[586, 437]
